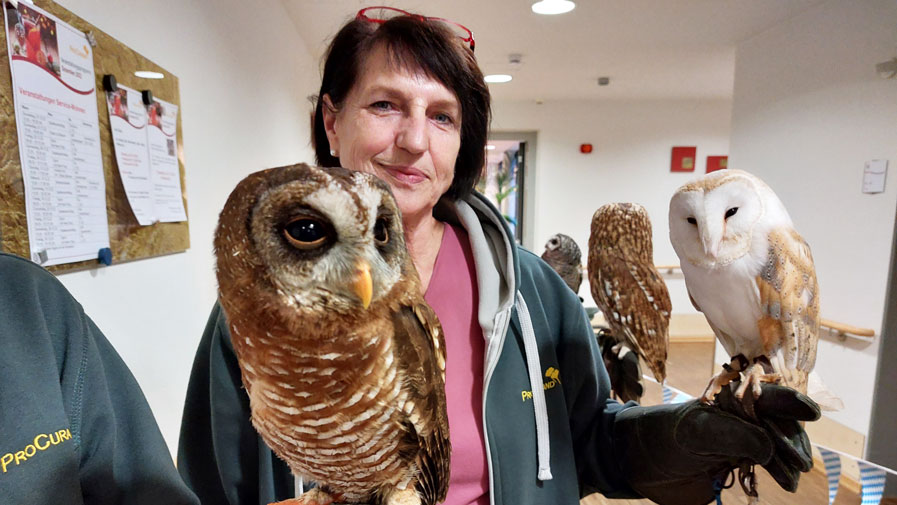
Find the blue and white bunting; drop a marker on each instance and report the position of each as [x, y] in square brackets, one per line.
[872, 480]
[667, 394]
[832, 462]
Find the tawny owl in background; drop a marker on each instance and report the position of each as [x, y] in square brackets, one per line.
[626, 286]
[752, 275]
[563, 255]
[342, 358]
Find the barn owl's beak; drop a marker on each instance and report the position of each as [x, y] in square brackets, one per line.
[710, 239]
[363, 286]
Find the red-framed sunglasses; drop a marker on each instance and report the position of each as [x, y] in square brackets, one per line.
[381, 14]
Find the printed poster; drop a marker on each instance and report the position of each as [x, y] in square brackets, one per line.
[59, 138]
[145, 140]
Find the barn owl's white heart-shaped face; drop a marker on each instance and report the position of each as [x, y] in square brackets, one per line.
[712, 222]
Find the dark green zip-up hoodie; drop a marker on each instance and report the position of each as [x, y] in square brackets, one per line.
[74, 425]
[548, 420]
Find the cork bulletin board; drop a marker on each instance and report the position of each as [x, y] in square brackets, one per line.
[127, 239]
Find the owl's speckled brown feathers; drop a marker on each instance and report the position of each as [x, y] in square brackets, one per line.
[626, 286]
[563, 255]
[350, 395]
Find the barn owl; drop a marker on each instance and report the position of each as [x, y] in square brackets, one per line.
[563, 255]
[342, 359]
[752, 276]
[626, 286]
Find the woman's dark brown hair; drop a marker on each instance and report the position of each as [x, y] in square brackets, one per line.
[417, 44]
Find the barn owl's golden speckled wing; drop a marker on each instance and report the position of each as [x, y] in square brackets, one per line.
[789, 303]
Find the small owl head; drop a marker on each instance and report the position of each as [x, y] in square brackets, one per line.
[713, 219]
[622, 227]
[565, 247]
[310, 238]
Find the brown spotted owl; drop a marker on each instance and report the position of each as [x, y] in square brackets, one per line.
[342, 359]
[626, 286]
[563, 255]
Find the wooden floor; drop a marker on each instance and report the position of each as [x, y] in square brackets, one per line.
[689, 368]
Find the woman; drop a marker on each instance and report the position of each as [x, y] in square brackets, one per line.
[527, 394]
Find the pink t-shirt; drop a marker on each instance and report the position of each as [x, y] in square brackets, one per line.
[453, 296]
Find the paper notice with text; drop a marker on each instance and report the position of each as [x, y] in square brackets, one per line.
[59, 138]
[145, 139]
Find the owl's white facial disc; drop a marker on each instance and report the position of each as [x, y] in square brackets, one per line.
[357, 224]
[712, 224]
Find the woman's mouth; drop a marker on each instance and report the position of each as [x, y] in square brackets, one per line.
[405, 174]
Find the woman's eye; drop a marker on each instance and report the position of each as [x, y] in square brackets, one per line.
[306, 233]
[444, 119]
[381, 105]
[381, 231]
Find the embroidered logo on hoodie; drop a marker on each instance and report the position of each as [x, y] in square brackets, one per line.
[41, 442]
[554, 378]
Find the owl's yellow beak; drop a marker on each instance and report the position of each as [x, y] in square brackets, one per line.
[363, 286]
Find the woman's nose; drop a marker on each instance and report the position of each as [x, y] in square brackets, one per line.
[412, 134]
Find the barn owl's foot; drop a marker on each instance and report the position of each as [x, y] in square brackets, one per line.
[314, 496]
[730, 373]
[757, 374]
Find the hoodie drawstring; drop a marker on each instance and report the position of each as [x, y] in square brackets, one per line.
[534, 366]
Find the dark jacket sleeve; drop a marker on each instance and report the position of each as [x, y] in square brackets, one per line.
[75, 374]
[220, 455]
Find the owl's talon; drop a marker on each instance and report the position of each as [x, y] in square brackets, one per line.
[754, 377]
[717, 383]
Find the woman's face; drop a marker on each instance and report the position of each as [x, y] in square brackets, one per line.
[403, 127]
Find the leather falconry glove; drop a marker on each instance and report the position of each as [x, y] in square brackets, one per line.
[682, 454]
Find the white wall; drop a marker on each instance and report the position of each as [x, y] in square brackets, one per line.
[630, 163]
[808, 111]
[244, 74]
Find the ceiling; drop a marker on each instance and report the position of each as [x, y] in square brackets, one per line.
[650, 49]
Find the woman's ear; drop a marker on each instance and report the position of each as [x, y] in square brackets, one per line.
[329, 112]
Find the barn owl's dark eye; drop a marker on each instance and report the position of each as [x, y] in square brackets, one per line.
[731, 212]
[692, 220]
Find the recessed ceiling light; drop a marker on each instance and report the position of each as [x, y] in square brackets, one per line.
[553, 6]
[489, 147]
[146, 74]
[498, 78]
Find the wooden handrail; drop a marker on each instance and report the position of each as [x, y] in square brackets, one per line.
[845, 330]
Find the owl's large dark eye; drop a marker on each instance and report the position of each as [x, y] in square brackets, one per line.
[731, 212]
[307, 232]
[692, 220]
[381, 231]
